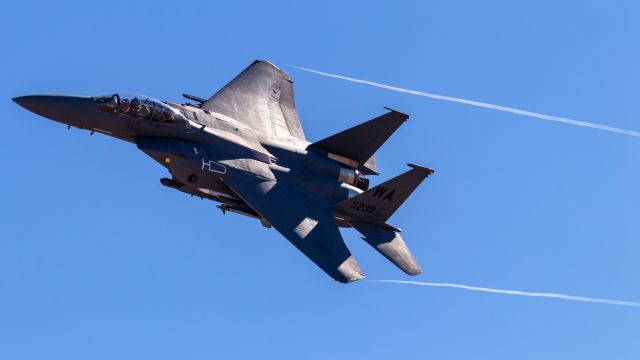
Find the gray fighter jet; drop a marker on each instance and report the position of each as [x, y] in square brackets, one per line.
[244, 148]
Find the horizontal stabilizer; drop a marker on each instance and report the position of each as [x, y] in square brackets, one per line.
[377, 204]
[359, 143]
[389, 244]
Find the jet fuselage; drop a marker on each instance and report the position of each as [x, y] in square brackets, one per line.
[200, 148]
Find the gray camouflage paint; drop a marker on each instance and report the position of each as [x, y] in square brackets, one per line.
[245, 148]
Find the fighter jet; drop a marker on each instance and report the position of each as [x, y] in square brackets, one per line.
[244, 148]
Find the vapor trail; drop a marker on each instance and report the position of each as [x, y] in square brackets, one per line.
[479, 104]
[515, 292]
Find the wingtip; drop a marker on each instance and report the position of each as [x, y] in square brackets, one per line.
[349, 271]
[286, 76]
[351, 279]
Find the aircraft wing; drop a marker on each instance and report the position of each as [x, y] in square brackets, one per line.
[261, 97]
[308, 224]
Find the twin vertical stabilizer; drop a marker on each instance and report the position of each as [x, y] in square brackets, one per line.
[369, 211]
[356, 146]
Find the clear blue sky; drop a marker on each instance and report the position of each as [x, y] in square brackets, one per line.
[99, 261]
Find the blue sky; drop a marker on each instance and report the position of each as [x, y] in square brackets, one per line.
[99, 261]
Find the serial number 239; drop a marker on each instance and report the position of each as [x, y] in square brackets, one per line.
[366, 208]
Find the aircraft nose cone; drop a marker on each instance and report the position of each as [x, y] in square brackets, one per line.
[67, 109]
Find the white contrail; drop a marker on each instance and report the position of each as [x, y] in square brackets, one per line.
[515, 292]
[478, 104]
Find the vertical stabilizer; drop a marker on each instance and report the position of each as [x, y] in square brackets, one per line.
[377, 204]
[356, 146]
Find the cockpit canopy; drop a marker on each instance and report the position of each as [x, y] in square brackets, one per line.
[138, 106]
